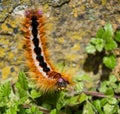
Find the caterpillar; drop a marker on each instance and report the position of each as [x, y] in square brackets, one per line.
[41, 71]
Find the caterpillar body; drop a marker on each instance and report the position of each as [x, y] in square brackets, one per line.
[41, 71]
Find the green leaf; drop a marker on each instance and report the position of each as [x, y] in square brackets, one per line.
[79, 87]
[109, 109]
[110, 44]
[11, 110]
[114, 85]
[103, 101]
[83, 97]
[109, 91]
[5, 90]
[108, 33]
[22, 93]
[109, 61]
[90, 49]
[35, 94]
[88, 108]
[117, 90]
[117, 36]
[97, 105]
[98, 43]
[100, 47]
[33, 110]
[22, 100]
[112, 78]
[53, 111]
[103, 87]
[100, 32]
[112, 100]
[61, 101]
[73, 101]
[22, 81]
[22, 85]
[94, 41]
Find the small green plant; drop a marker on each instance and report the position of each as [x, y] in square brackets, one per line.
[16, 99]
[23, 98]
[105, 41]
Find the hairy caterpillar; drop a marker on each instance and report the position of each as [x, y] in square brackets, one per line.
[41, 71]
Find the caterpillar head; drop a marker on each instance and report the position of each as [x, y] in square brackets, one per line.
[62, 83]
[33, 12]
